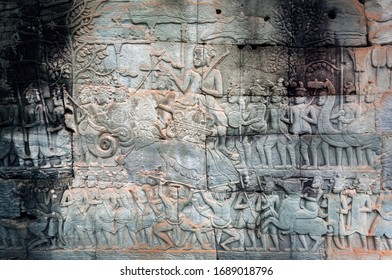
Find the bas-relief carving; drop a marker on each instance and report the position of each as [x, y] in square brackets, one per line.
[379, 21]
[181, 146]
[33, 130]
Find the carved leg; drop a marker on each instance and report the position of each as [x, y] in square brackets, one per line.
[260, 150]
[205, 245]
[275, 240]
[305, 153]
[369, 156]
[350, 242]
[268, 153]
[325, 151]
[234, 236]
[339, 154]
[290, 148]
[282, 153]
[248, 152]
[134, 238]
[263, 240]
[378, 243]
[358, 152]
[252, 236]
[318, 241]
[364, 242]
[91, 238]
[241, 246]
[304, 243]
[161, 230]
[120, 237]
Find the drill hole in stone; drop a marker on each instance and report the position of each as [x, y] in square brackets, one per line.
[218, 11]
[332, 14]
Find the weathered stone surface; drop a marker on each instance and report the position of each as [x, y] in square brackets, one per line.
[378, 14]
[195, 130]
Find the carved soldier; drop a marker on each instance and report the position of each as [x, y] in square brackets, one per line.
[105, 214]
[75, 204]
[201, 86]
[173, 207]
[247, 217]
[33, 131]
[302, 115]
[382, 223]
[269, 204]
[221, 219]
[277, 119]
[337, 209]
[126, 215]
[361, 205]
[8, 121]
[93, 199]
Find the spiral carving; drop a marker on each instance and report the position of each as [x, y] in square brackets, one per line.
[105, 147]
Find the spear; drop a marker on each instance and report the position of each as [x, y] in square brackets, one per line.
[24, 132]
[341, 84]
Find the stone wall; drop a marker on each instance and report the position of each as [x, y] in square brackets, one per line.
[195, 129]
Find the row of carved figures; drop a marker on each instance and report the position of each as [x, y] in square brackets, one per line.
[165, 215]
[327, 129]
[32, 130]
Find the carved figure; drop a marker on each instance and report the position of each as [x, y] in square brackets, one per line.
[8, 121]
[221, 219]
[302, 115]
[361, 205]
[33, 131]
[75, 205]
[381, 225]
[93, 199]
[269, 204]
[91, 120]
[126, 215]
[294, 219]
[247, 217]
[201, 86]
[146, 201]
[173, 206]
[277, 119]
[337, 209]
[105, 214]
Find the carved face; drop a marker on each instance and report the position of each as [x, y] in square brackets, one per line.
[299, 99]
[85, 96]
[321, 100]
[276, 98]
[269, 186]
[90, 184]
[317, 182]
[32, 96]
[173, 192]
[233, 98]
[76, 184]
[220, 196]
[349, 98]
[200, 57]
[102, 98]
[120, 96]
